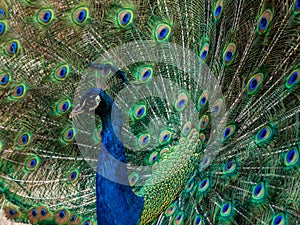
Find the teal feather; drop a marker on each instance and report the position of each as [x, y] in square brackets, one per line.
[210, 127]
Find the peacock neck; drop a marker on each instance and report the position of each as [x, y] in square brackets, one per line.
[110, 130]
[116, 202]
[110, 141]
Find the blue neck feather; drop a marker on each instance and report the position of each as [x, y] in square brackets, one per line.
[116, 202]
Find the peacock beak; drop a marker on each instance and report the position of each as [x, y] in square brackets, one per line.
[77, 111]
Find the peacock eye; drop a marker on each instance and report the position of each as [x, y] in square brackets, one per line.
[125, 18]
[218, 8]
[24, 139]
[203, 122]
[12, 47]
[73, 176]
[133, 178]
[144, 140]
[291, 158]
[190, 185]
[264, 21]
[162, 32]
[63, 106]
[165, 137]
[254, 83]
[226, 209]
[33, 215]
[204, 185]
[3, 28]
[258, 191]
[228, 132]
[80, 15]
[204, 51]
[98, 99]
[181, 102]
[19, 91]
[230, 167]
[145, 74]
[197, 220]
[153, 157]
[203, 99]
[4, 80]
[11, 212]
[34, 212]
[73, 218]
[229, 54]
[88, 222]
[45, 16]
[170, 210]
[62, 216]
[139, 111]
[179, 218]
[278, 219]
[32, 163]
[43, 212]
[265, 134]
[293, 79]
[61, 72]
[68, 135]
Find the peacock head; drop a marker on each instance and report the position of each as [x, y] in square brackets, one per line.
[89, 102]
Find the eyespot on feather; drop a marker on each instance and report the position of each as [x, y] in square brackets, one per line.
[170, 211]
[291, 157]
[226, 209]
[264, 21]
[3, 27]
[181, 102]
[61, 72]
[145, 74]
[125, 18]
[139, 111]
[32, 163]
[73, 176]
[61, 216]
[258, 191]
[203, 99]
[228, 132]
[254, 84]
[144, 140]
[24, 139]
[165, 136]
[80, 15]
[204, 52]
[264, 135]
[45, 16]
[19, 91]
[218, 9]
[12, 48]
[293, 79]
[162, 32]
[229, 54]
[5, 79]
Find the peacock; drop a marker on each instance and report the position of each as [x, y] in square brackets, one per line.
[135, 112]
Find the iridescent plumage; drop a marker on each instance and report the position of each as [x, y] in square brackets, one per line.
[203, 117]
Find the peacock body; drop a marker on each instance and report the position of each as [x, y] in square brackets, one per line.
[150, 112]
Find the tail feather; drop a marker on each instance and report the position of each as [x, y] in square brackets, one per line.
[210, 126]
